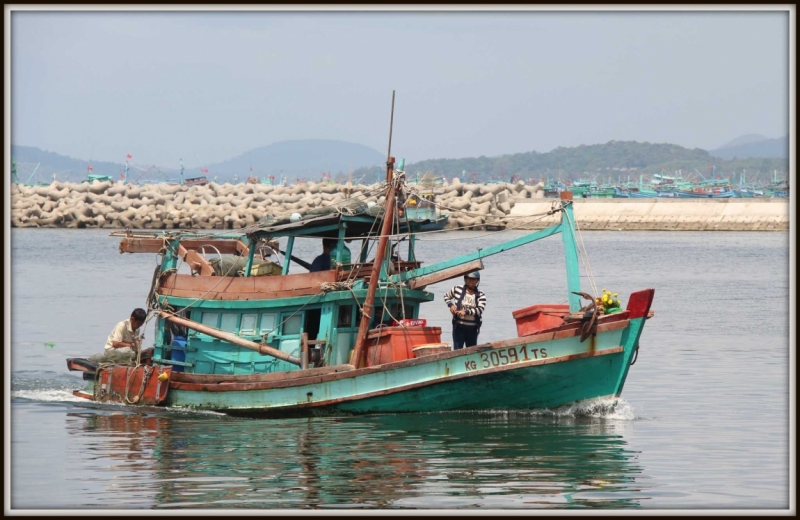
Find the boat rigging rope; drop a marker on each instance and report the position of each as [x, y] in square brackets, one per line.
[533, 218]
[147, 371]
[99, 370]
[221, 279]
[398, 288]
[582, 254]
[336, 286]
[351, 275]
[158, 276]
[635, 354]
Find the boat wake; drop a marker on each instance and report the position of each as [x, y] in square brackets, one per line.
[607, 408]
[45, 386]
[66, 396]
[47, 396]
[613, 408]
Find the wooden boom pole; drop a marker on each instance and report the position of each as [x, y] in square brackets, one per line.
[231, 338]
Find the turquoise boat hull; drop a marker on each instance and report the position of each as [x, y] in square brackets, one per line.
[532, 372]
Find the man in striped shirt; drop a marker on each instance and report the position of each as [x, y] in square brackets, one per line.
[466, 304]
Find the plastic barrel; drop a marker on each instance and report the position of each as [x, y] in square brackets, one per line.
[178, 354]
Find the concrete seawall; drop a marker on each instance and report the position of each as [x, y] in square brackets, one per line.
[662, 214]
[471, 206]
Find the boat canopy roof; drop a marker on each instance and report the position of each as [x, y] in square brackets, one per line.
[358, 219]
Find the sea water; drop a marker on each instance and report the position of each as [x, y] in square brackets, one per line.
[703, 422]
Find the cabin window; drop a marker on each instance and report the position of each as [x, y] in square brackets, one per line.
[248, 326]
[211, 319]
[267, 322]
[229, 322]
[292, 325]
[345, 319]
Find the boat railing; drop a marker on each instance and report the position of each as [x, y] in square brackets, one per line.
[363, 270]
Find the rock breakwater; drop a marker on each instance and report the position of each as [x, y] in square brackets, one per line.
[470, 206]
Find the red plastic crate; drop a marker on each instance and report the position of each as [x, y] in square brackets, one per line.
[537, 318]
[389, 344]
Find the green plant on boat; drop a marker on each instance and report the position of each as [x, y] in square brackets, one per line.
[609, 303]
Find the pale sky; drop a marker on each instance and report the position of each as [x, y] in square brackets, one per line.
[208, 86]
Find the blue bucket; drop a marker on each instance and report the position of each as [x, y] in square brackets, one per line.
[178, 354]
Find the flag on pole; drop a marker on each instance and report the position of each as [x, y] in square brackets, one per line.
[90, 168]
[130, 156]
[204, 170]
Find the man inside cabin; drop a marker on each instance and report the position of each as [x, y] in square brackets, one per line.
[323, 261]
[123, 343]
[335, 252]
[466, 304]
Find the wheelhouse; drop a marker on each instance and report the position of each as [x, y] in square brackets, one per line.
[245, 284]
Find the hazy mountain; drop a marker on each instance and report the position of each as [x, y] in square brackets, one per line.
[39, 165]
[304, 158]
[744, 139]
[746, 147]
[307, 158]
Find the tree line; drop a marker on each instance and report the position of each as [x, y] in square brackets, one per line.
[615, 159]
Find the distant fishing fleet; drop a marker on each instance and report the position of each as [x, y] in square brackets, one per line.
[671, 186]
[660, 185]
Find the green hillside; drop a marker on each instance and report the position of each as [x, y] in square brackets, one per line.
[613, 159]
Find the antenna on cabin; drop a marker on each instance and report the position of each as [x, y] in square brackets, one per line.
[391, 123]
[389, 152]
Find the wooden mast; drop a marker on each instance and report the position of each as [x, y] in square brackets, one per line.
[386, 229]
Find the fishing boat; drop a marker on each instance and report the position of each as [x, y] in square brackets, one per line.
[15, 176]
[421, 209]
[554, 189]
[706, 193]
[420, 205]
[777, 187]
[197, 181]
[92, 177]
[247, 336]
[587, 188]
[634, 190]
[668, 186]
